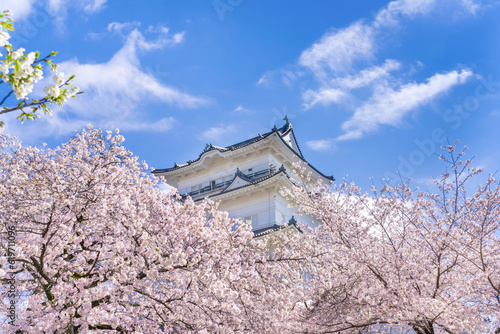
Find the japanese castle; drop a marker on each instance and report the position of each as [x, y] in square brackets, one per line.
[246, 178]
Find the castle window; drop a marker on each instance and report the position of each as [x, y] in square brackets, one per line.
[253, 218]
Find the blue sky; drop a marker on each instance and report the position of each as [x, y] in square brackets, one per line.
[370, 87]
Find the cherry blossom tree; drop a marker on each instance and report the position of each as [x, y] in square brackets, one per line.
[97, 247]
[93, 246]
[405, 260]
[19, 72]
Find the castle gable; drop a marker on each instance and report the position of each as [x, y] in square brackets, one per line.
[238, 181]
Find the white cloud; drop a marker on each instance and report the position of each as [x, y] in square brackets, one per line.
[117, 92]
[342, 61]
[339, 87]
[120, 26]
[320, 145]
[287, 75]
[94, 6]
[178, 38]
[59, 9]
[57, 5]
[265, 79]
[390, 106]
[366, 76]
[163, 125]
[471, 6]
[215, 134]
[89, 6]
[337, 51]
[121, 76]
[20, 8]
[395, 9]
[324, 96]
[240, 109]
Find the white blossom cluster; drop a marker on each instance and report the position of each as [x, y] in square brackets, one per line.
[55, 90]
[22, 70]
[23, 74]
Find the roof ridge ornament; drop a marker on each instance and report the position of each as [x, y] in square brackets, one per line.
[207, 147]
[286, 120]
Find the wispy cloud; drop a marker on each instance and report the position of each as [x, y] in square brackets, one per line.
[120, 84]
[116, 28]
[119, 27]
[345, 67]
[320, 145]
[324, 96]
[366, 76]
[20, 8]
[215, 134]
[471, 6]
[339, 88]
[118, 93]
[396, 9]
[286, 75]
[336, 51]
[388, 107]
[60, 7]
[241, 110]
[94, 6]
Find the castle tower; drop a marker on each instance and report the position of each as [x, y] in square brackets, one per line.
[246, 178]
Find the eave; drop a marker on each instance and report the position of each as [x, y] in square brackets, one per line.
[281, 174]
[227, 152]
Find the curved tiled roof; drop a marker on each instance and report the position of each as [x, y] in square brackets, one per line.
[253, 183]
[260, 232]
[283, 131]
[241, 175]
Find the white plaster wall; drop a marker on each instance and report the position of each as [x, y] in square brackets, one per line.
[282, 207]
[224, 170]
[261, 204]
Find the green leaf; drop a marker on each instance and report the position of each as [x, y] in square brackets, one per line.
[7, 25]
[17, 65]
[52, 65]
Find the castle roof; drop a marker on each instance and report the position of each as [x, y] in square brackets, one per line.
[284, 132]
[263, 231]
[247, 181]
